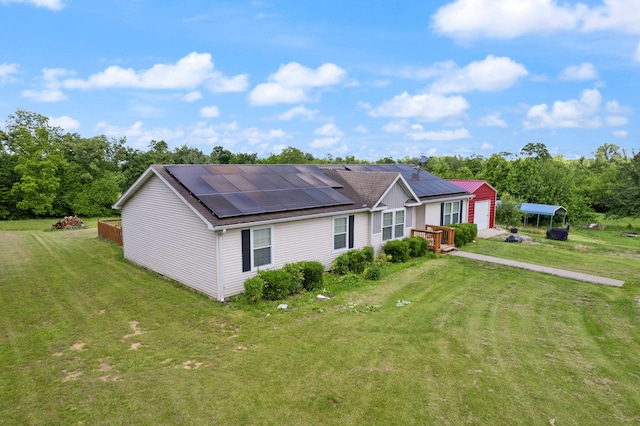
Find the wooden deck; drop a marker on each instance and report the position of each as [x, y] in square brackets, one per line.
[441, 238]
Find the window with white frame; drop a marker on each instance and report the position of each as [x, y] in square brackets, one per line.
[340, 233]
[451, 212]
[393, 224]
[261, 247]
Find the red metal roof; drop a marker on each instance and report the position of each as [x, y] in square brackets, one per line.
[470, 185]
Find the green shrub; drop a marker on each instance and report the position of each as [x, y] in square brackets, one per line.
[368, 254]
[277, 283]
[352, 261]
[418, 246]
[373, 272]
[312, 275]
[398, 250]
[297, 277]
[351, 280]
[465, 233]
[254, 288]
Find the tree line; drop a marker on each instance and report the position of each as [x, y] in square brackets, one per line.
[47, 173]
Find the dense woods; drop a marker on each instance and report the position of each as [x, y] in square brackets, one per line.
[47, 173]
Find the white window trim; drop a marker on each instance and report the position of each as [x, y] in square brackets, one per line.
[271, 233]
[333, 234]
[452, 212]
[394, 224]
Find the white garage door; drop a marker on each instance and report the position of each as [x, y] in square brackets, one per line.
[481, 214]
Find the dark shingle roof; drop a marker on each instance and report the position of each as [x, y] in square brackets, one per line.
[226, 195]
[424, 184]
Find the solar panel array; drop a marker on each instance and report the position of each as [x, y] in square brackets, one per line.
[423, 183]
[238, 190]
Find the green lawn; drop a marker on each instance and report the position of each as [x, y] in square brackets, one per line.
[89, 338]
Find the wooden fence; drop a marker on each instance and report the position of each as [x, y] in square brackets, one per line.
[110, 229]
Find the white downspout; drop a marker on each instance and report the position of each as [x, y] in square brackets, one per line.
[220, 262]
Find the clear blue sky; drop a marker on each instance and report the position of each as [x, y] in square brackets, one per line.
[365, 78]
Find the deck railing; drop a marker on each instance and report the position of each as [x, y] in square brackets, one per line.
[438, 237]
[110, 229]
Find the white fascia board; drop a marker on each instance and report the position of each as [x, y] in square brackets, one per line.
[145, 177]
[133, 188]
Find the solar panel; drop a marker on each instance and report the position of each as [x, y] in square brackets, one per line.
[236, 190]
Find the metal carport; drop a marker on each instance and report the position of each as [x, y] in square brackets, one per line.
[542, 210]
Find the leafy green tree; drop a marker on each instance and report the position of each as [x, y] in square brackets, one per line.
[187, 155]
[40, 160]
[219, 155]
[624, 199]
[89, 185]
[8, 176]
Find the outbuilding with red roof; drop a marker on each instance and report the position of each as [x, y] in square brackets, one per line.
[482, 208]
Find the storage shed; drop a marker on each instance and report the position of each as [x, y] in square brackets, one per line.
[482, 208]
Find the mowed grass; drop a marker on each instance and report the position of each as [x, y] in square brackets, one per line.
[89, 338]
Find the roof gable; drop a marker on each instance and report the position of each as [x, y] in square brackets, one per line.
[422, 183]
[470, 185]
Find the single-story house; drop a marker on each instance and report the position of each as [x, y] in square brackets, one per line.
[482, 208]
[211, 227]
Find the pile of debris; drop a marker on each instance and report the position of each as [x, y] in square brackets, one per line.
[69, 222]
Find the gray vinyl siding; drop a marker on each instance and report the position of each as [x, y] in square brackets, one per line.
[395, 198]
[161, 233]
[295, 241]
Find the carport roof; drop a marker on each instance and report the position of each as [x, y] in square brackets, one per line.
[543, 209]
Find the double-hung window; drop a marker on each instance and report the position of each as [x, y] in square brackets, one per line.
[451, 212]
[340, 232]
[393, 224]
[261, 247]
[343, 232]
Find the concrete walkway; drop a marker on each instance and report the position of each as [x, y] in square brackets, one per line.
[544, 269]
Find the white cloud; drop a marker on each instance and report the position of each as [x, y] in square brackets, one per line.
[7, 71]
[426, 106]
[324, 142]
[618, 15]
[417, 133]
[583, 72]
[361, 129]
[292, 83]
[490, 74]
[332, 135]
[636, 53]
[616, 120]
[329, 129]
[209, 111]
[299, 111]
[503, 19]
[573, 113]
[486, 146]
[396, 126]
[613, 107]
[620, 133]
[506, 19]
[137, 135]
[46, 95]
[493, 120]
[65, 122]
[192, 96]
[48, 4]
[51, 92]
[220, 84]
[189, 72]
